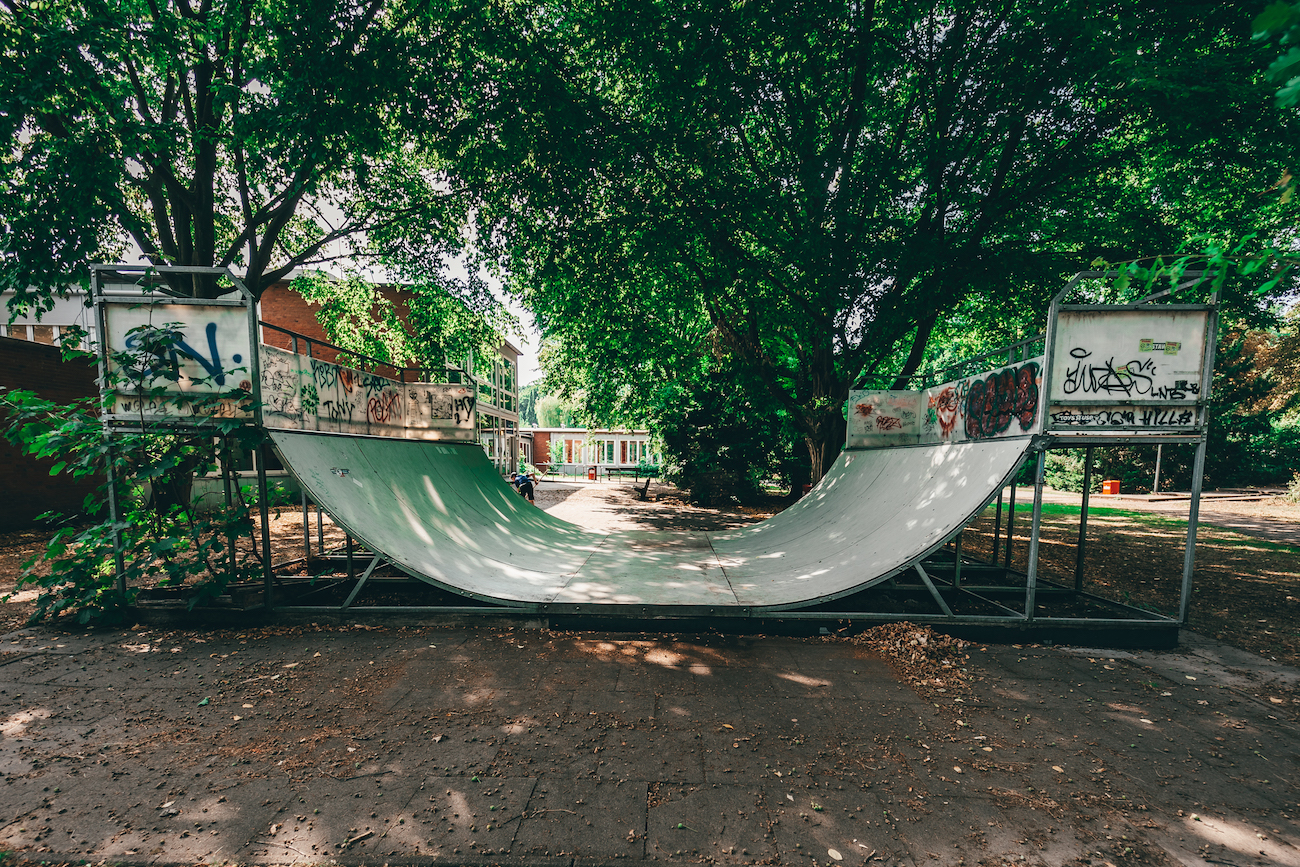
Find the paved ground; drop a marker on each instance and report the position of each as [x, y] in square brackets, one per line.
[483, 745]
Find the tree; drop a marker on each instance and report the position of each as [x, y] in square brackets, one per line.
[1281, 21]
[812, 190]
[244, 133]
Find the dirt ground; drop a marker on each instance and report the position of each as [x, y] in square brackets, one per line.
[1245, 590]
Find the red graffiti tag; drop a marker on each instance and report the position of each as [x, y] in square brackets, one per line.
[993, 402]
[379, 409]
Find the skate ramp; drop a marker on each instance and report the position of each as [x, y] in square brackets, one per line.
[442, 513]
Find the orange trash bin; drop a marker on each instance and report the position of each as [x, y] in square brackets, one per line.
[1110, 486]
[591, 474]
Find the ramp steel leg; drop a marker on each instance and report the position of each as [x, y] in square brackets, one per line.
[934, 591]
[1083, 520]
[956, 569]
[1035, 526]
[306, 528]
[1193, 515]
[268, 573]
[1011, 521]
[361, 582]
[997, 531]
[115, 515]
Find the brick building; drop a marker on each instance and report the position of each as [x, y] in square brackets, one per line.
[574, 449]
[29, 488]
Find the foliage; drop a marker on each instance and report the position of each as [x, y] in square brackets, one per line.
[815, 191]
[718, 444]
[557, 452]
[160, 535]
[1293, 489]
[252, 134]
[1281, 21]
[528, 396]
[356, 316]
[417, 324]
[553, 412]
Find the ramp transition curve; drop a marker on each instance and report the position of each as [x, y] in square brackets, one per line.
[443, 514]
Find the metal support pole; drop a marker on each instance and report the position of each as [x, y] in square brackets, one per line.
[934, 591]
[1155, 486]
[365, 576]
[306, 528]
[115, 515]
[1035, 526]
[1011, 521]
[351, 569]
[228, 489]
[1083, 520]
[320, 531]
[1193, 515]
[956, 569]
[263, 496]
[997, 531]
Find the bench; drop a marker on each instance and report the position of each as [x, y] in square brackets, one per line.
[635, 472]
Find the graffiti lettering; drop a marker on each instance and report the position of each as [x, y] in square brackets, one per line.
[865, 410]
[338, 410]
[379, 409]
[1008, 394]
[325, 374]
[1167, 417]
[178, 348]
[1099, 418]
[221, 408]
[1136, 378]
[888, 423]
[280, 391]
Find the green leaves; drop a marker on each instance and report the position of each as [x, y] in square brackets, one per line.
[1281, 22]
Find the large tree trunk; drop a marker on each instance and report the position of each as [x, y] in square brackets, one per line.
[825, 441]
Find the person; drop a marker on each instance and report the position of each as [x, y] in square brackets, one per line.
[524, 485]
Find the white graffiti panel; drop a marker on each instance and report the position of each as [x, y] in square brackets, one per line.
[1138, 355]
[882, 418]
[438, 411]
[301, 393]
[199, 350]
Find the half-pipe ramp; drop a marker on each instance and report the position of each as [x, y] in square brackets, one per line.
[443, 514]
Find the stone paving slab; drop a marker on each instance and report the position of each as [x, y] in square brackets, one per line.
[403, 745]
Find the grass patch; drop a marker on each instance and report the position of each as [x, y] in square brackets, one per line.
[1206, 533]
[1066, 509]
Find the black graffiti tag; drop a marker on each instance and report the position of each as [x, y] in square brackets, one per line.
[1135, 378]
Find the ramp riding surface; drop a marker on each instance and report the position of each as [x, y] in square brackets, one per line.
[442, 513]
